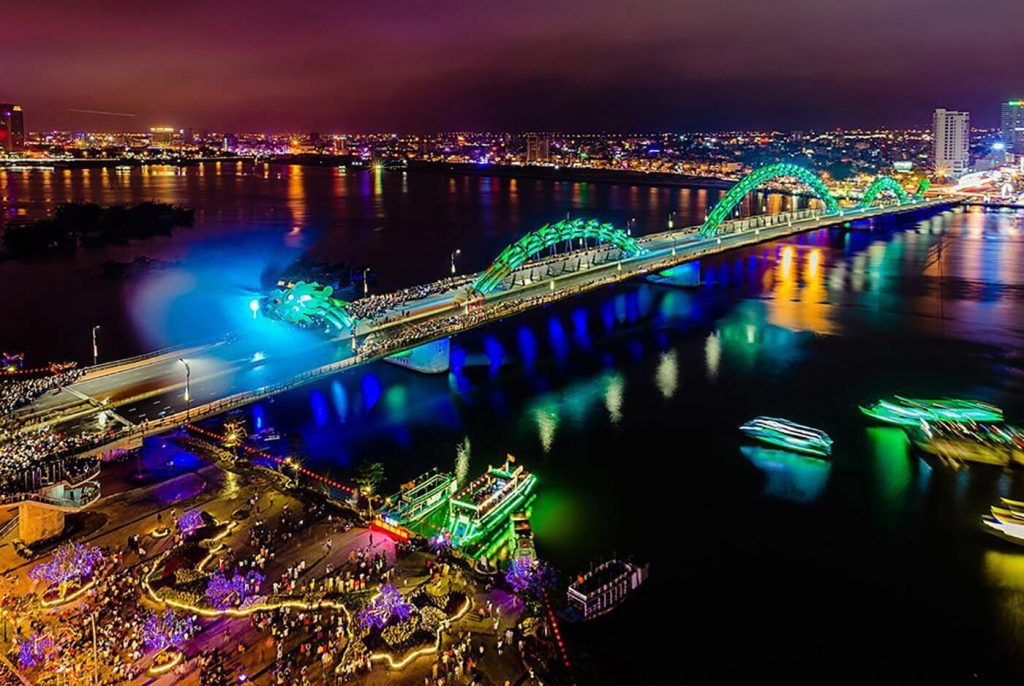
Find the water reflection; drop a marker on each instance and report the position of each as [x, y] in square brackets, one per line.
[789, 476]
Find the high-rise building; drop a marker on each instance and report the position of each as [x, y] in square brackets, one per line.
[161, 136]
[1012, 128]
[538, 148]
[12, 127]
[951, 133]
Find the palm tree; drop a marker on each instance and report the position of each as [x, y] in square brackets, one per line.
[368, 477]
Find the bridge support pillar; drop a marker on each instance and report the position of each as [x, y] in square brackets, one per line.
[429, 358]
[37, 522]
[685, 275]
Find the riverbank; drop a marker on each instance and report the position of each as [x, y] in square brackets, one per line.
[577, 174]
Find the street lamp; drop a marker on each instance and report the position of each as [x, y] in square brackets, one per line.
[95, 347]
[458, 251]
[366, 284]
[188, 388]
[671, 219]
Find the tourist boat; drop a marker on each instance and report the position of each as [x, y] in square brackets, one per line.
[487, 502]
[418, 498]
[912, 411]
[789, 435]
[1015, 505]
[604, 588]
[522, 536]
[265, 435]
[954, 443]
[1005, 524]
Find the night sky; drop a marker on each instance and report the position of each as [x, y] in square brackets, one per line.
[576, 65]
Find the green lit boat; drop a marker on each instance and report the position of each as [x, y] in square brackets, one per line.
[418, 498]
[486, 503]
[789, 435]
[912, 411]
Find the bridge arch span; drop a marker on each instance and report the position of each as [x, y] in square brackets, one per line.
[759, 177]
[881, 185]
[515, 255]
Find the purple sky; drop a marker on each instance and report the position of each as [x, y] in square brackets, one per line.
[416, 65]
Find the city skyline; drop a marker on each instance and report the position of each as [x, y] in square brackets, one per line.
[468, 67]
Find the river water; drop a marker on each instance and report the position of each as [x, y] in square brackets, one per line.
[626, 402]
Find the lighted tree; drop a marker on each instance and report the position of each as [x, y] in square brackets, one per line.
[190, 522]
[222, 592]
[385, 606]
[34, 651]
[524, 574]
[368, 476]
[167, 630]
[72, 562]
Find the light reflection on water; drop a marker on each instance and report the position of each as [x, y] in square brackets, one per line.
[626, 402]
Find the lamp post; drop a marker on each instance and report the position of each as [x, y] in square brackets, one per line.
[366, 284]
[95, 659]
[95, 346]
[458, 251]
[188, 388]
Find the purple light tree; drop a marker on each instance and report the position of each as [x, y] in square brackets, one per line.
[36, 650]
[520, 574]
[190, 522]
[389, 603]
[72, 562]
[222, 592]
[167, 630]
[524, 574]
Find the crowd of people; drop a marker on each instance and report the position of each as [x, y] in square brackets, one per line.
[370, 307]
[16, 391]
[26, 456]
[104, 635]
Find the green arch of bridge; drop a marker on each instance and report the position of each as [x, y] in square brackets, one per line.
[758, 178]
[512, 257]
[881, 185]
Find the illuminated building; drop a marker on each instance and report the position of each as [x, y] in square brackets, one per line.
[1012, 126]
[951, 140]
[161, 136]
[538, 148]
[12, 127]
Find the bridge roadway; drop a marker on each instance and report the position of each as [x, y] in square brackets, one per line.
[146, 395]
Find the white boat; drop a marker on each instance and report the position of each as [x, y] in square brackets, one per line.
[605, 587]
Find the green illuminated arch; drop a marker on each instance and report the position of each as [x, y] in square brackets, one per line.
[880, 185]
[758, 178]
[512, 257]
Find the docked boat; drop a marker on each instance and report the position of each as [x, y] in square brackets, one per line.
[522, 536]
[789, 435]
[418, 498]
[912, 411]
[487, 502]
[604, 588]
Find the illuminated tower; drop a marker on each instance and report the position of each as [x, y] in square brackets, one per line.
[12, 127]
[951, 133]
